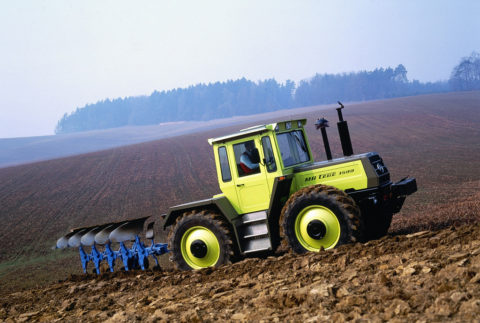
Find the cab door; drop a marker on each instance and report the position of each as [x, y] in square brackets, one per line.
[251, 182]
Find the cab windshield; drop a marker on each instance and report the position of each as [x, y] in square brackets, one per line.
[292, 148]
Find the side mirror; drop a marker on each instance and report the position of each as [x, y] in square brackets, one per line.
[255, 156]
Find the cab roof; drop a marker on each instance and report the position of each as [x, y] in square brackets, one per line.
[277, 127]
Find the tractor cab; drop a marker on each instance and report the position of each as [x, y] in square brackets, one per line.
[249, 161]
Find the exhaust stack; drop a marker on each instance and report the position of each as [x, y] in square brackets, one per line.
[322, 124]
[344, 133]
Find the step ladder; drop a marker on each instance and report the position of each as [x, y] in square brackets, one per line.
[253, 232]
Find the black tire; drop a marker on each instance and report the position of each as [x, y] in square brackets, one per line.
[377, 222]
[332, 202]
[210, 221]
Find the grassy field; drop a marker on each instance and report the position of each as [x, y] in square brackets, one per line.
[434, 138]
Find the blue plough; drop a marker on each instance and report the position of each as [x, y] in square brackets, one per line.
[134, 257]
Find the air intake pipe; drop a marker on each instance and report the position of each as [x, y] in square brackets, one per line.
[344, 133]
[322, 124]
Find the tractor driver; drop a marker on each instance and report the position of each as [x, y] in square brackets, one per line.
[246, 159]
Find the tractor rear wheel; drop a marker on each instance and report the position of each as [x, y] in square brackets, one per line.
[199, 239]
[320, 217]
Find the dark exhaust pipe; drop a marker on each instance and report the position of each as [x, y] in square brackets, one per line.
[344, 133]
[322, 124]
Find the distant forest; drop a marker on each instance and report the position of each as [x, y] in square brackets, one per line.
[243, 97]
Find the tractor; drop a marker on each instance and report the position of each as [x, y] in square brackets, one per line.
[273, 196]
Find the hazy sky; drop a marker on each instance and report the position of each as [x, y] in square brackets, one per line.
[56, 56]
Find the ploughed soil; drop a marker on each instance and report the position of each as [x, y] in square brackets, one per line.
[426, 270]
[422, 276]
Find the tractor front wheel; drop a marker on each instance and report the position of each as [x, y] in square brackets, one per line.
[320, 217]
[200, 240]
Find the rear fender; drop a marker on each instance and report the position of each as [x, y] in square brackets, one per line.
[220, 204]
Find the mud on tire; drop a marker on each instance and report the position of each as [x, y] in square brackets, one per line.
[328, 207]
[198, 222]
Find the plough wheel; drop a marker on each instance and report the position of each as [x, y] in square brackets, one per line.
[320, 217]
[199, 239]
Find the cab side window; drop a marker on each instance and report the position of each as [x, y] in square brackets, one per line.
[224, 166]
[245, 158]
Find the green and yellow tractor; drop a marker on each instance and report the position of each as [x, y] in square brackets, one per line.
[273, 194]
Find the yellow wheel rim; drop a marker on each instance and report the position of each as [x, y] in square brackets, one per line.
[327, 218]
[209, 239]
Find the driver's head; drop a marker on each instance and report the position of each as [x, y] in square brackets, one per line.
[249, 145]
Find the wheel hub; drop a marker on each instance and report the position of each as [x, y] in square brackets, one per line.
[198, 248]
[316, 229]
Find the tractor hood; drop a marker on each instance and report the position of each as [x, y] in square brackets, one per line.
[332, 162]
[352, 172]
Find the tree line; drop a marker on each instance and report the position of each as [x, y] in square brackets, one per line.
[466, 75]
[244, 97]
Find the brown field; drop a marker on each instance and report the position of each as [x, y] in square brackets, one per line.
[428, 276]
[435, 138]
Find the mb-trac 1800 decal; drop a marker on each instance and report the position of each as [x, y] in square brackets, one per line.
[329, 175]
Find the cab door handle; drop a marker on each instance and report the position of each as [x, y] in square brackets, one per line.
[240, 185]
